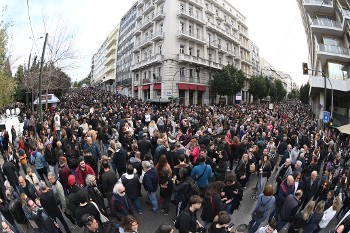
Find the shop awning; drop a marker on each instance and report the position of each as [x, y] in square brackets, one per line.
[183, 86]
[136, 88]
[192, 87]
[145, 87]
[157, 86]
[201, 88]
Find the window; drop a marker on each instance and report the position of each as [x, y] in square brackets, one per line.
[198, 52]
[227, 46]
[198, 33]
[182, 7]
[191, 72]
[210, 56]
[190, 49]
[160, 49]
[149, 74]
[161, 27]
[190, 30]
[145, 75]
[220, 60]
[337, 70]
[182, 27]
[209, 38]
[137, 77]
[190, 10]
[197, 14]
[225, 17]
[138, 59]
[159, 71]
[219, 41]
[182, 71]
[182, 48]
[145, 55]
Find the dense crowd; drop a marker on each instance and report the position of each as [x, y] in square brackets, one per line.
[96, 155]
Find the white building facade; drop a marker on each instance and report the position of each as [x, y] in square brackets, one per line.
[98, 66]
[327, 29]
[110, 60]
[174, 39]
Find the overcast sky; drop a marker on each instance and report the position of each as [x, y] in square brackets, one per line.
[274, 25]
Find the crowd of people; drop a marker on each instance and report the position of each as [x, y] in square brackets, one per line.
[97, 155]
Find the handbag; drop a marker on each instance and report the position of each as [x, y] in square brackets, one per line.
[103, 218]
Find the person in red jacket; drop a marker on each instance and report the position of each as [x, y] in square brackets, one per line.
[82, 171]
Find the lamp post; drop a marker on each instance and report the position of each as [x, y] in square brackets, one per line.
[29, 59]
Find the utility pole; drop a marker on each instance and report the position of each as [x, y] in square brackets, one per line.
[41, 79]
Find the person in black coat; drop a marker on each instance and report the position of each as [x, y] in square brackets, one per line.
[132, 187]
[119, 159]
[144, 145]
[107, 180]
[187, 219]
[95, 194]
[85, 207]
[310, 187]
[48, 202]
[10, 170]
[26, 187]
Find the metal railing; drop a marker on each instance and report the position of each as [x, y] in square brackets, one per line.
[326, 23]
[334, 49]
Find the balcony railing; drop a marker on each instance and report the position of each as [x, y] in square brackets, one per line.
[319, 2]
[334, 49]
[326, 23]
[192, 35]
[146, 80]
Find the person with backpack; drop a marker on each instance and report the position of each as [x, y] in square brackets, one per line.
[187, 221]
[261, 210]
[202, 172]
[132, 187]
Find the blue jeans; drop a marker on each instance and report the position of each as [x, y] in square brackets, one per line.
[137, 204]
[153, 199]
[254, 224]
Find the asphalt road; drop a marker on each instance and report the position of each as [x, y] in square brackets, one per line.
[150, 220]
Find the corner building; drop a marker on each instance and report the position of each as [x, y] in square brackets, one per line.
[327, 29]
[175, 38]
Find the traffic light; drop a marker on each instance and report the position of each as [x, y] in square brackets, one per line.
[305, 68]
[331, 122]
[197, 68]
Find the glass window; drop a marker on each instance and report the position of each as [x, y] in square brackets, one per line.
[190, 50]
[331, 41]
[337, 71]
[198, 52]
[182, 7]
[182, 48]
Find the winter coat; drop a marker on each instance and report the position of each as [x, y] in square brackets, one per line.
[132, 185]
[81, 175]
[150, 180]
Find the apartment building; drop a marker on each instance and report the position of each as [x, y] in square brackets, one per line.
[255, 59]
[179, 44]
[327, 28]
[98, 66]
[125, 52]
[110, 60]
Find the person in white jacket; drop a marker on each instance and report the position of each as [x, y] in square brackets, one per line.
[330, 213]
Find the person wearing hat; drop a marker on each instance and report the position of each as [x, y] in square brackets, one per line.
[72, 198]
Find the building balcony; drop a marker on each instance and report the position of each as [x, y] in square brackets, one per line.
[141, 4]
[222, 32]
[209, 10]
[197, 3]
[326, 26]
[146, 42]
[192, 79]
[222, 49]
[246, 61]
[139, 15]
[158, 36]
[191, 36]
[219, 17]
[156, 59]
[319, 6]
[110, 60]
[111, 50]
[192, 59]
[158, 1]
[109, 68]
[146, 24]
[191, 16]
[159, 16]
[137, 32]
[329, 52]
[148, 8]
[146, 80]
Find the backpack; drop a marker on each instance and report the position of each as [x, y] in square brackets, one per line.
[194, 189]
[177, 222]
[260, 211]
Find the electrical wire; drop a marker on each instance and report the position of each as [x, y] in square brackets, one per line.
[31, 28]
